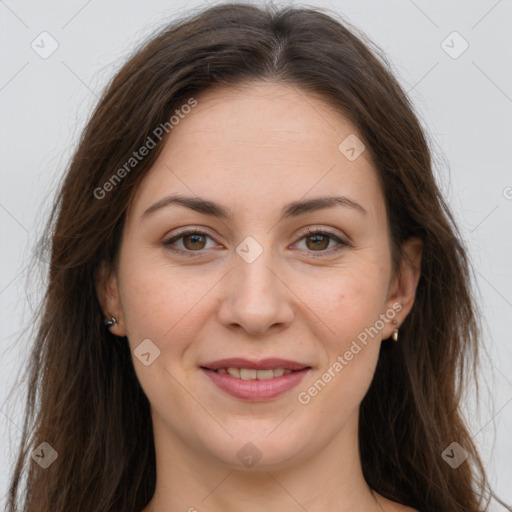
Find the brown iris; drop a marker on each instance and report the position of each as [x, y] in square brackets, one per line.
[195, 239]
[321, 245]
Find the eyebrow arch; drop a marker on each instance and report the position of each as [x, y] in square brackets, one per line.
[293, 209]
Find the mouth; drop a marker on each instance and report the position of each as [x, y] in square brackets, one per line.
[255, 381]
[251, 374]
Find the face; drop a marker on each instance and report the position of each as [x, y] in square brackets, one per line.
[266, 280]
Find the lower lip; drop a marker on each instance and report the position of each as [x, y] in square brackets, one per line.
[256, 390]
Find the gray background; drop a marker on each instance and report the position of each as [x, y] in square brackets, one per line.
[465, 103]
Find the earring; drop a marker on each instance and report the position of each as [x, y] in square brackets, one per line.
[394, 336]
[110, 323]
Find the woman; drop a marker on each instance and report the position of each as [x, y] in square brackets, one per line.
[258, 299]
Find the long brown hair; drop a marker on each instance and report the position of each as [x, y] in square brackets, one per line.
[84, 398]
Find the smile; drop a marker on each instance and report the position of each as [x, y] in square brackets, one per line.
[252, 374]
[255, 381]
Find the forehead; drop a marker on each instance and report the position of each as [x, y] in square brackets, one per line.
[258, 146]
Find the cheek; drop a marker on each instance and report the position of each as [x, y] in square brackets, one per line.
[351, 305]
[159, 307]
[157, 298]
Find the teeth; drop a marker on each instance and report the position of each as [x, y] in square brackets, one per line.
[234, 372]
[251, 374]
[246, 374]
[264, 374]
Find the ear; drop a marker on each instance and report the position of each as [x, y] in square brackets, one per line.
[107, 290]
[403, 288]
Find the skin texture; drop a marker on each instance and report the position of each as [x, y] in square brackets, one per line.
[254, 149]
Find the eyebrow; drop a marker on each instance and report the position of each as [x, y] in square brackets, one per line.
[293, 209]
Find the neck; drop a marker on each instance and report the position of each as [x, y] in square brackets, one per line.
[330, 479]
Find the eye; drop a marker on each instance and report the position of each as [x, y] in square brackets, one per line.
[194, 241]
[191, 240]
[318, 241]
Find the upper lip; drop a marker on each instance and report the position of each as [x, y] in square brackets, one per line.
[262, 364]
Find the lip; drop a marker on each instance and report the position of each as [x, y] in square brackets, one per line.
[255, 390]
[262, 364]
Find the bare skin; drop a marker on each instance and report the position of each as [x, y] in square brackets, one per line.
[253, 150]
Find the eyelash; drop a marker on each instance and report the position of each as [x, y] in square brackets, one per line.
[191, 254]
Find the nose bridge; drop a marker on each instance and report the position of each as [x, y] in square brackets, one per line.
[255, 276]
[255, 298]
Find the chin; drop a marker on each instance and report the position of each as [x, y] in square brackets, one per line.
[261, 452]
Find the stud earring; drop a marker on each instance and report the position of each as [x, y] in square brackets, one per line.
[110, 323]
[394, 336]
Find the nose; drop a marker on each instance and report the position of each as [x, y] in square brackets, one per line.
[255, 297]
